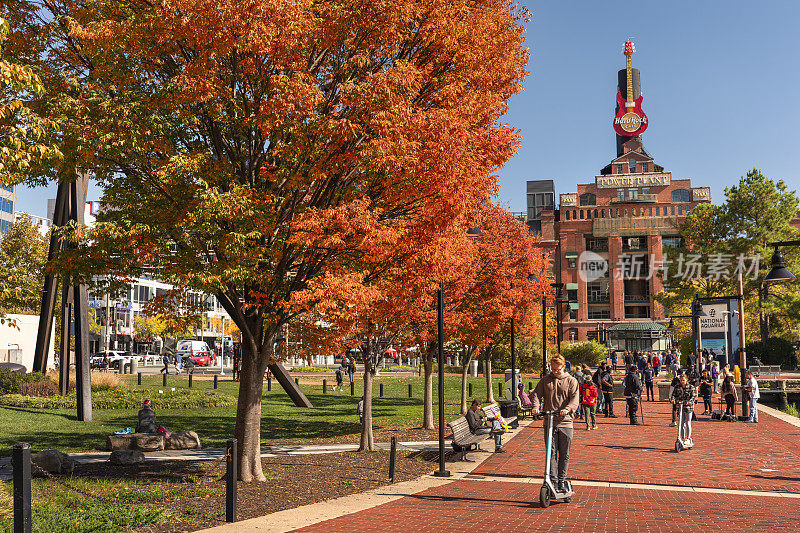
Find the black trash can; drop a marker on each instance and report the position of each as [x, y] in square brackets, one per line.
[508, 409]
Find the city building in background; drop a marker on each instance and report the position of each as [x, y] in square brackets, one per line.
[610, 234]
[43, 224]
[7, 198]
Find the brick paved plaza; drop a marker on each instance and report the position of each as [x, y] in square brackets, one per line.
[739, 477]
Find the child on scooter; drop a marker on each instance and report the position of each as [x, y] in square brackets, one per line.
[684, 397]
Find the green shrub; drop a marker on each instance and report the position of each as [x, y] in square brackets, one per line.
[38, 388]
[126, 399]
[401, 368]
[793, 410]
[584, 353]
[311, 369]
[10, 381]
[773, 351]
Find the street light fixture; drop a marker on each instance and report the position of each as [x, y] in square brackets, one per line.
[779, 272]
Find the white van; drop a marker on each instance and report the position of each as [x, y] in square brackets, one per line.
[198, 351]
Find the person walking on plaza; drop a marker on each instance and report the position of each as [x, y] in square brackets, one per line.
[351, 369]
[558, 391]
[607, 387]
[339, 377]
[676, 382]
[589, 396]
[165, 360]
[706, 388]
[684, 397]
[751, 385]
[728, 392]
[656, 364]
[480, 426]
[648, 382]
[578, 375]
[597, 379]
[633, 391]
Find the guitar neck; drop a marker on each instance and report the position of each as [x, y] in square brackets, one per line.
[629, 95]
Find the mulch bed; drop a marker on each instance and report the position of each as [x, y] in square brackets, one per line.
[292, 481]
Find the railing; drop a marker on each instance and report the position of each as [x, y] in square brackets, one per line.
[646, 198]
[632, 226]
[636, 298]
[601, 299]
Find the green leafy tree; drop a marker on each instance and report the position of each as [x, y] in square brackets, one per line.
[585, 353]
[23, 254]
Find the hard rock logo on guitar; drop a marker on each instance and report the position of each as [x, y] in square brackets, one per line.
[630, 120]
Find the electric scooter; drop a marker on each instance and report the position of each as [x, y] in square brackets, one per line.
[682, 442]
[548, 491]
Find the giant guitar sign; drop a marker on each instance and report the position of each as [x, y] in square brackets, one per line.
[630, 120]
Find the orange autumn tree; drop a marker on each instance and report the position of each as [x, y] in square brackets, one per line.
[250, 148]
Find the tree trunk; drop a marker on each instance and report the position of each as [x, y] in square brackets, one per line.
[367, 440]
[427, 403]
[248, 413]
[488, 370]
[464, 373]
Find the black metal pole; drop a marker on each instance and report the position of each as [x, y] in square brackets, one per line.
[164, 379]
[440, 360]
[324, 386]
[409, 390]
[544, 335]
[190, 380]
[392, 455]
[469, 393]
[269, 382]
[231, 475]
[21, 459]
[139, 378]
[380, 388]
[216, 380]
[352, 388]
[513, 364]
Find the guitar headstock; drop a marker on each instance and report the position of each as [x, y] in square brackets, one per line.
[628, 49]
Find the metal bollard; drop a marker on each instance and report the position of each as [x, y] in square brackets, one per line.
[380, 388]
[190, 380]
[324, 386]
[231, 474]
[409, 390]
[269, 383]
[138, 378]
[352, 388]
[216, 380]
[21, 458]
[392, 455]
[164, 379]
[500, 389]
[469, 389]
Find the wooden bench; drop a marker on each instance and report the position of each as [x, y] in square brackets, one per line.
[493, 411]
[464, 438]
[757, 370]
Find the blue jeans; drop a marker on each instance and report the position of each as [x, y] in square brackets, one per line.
[753, 410]
[498, 438]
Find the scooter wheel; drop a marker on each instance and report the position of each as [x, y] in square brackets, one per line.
[567, 500]
[544, 496]
[678, 447]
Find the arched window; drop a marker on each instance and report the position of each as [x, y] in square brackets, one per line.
[681, 195]
[595, 213]
[566, 214]
[588, 199]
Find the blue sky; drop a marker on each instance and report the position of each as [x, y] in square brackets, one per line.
[720, 80]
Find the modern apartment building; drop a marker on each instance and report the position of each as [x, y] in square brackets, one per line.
[7, 197]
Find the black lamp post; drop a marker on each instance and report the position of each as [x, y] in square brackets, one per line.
[440, 359]
[513, 358]
[560, 299]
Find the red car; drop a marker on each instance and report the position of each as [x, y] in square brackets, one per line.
[202, 358]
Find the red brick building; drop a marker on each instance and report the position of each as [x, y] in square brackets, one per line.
[626, 218]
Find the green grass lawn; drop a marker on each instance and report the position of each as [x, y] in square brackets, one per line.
[334, 414]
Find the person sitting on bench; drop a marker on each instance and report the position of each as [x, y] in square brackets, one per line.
[479, 426]
[147, 418]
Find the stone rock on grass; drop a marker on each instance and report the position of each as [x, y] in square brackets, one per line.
[187, 440]
[145, 442]
[53, 461]
[126, 457]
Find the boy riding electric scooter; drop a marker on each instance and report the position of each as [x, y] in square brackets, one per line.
[557, 395]
[684, 397]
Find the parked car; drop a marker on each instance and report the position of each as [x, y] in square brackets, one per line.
[203, 358]
[197, 351]
[114, 359]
